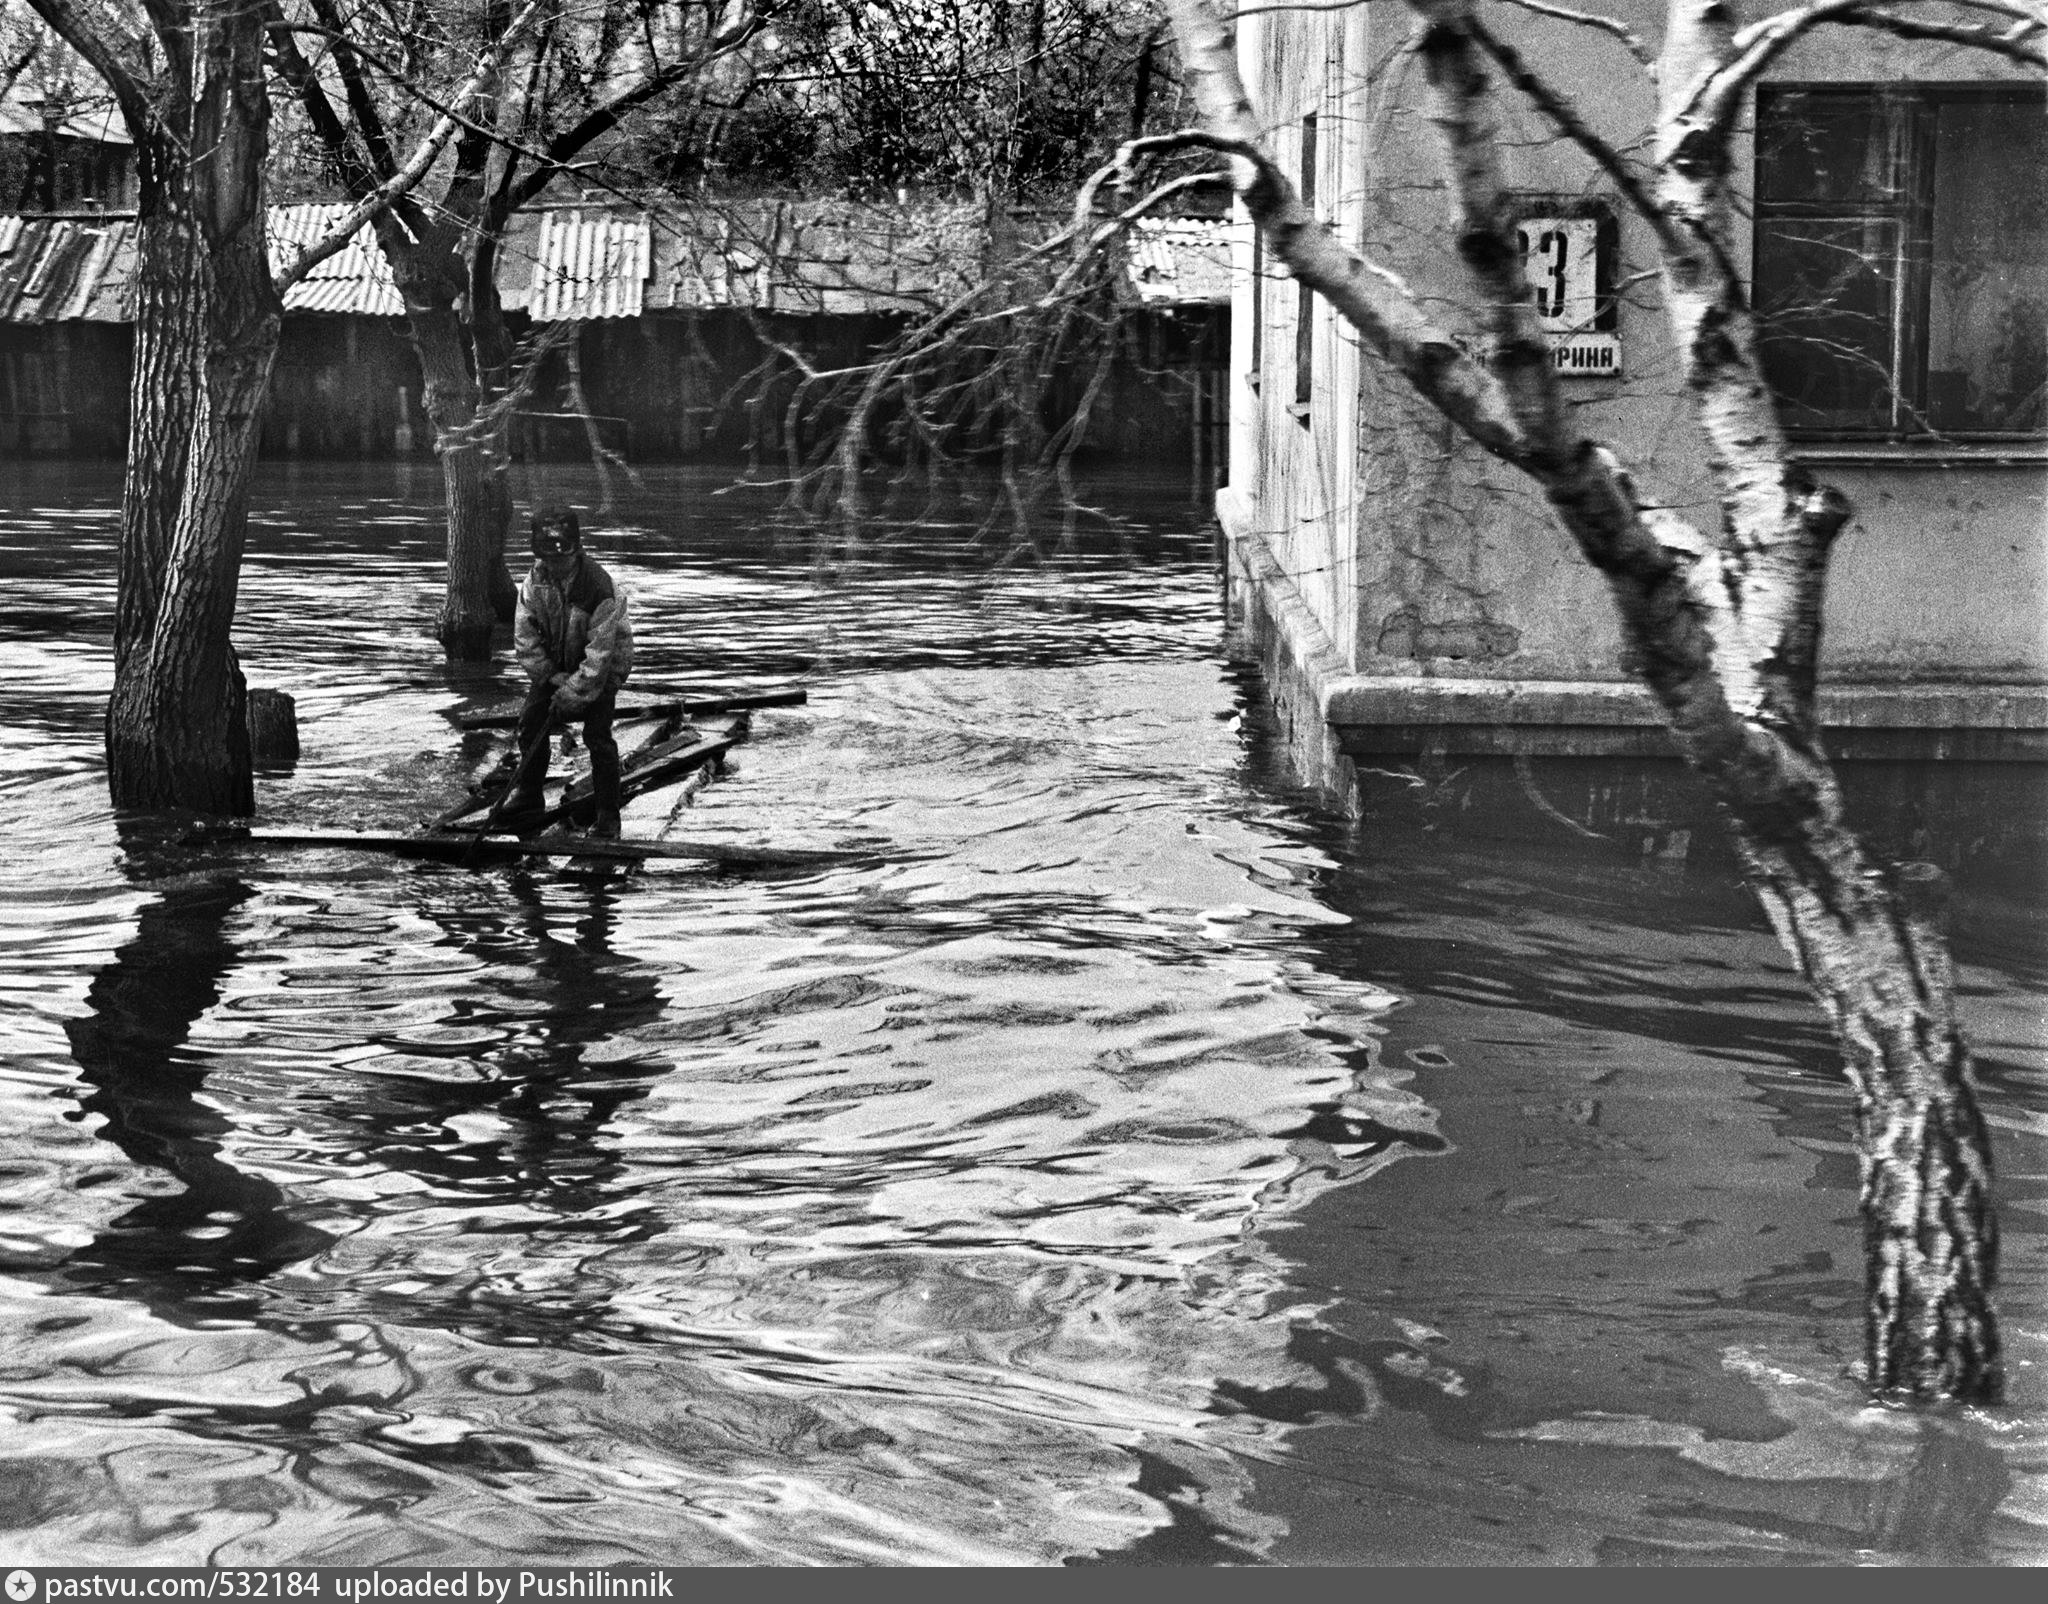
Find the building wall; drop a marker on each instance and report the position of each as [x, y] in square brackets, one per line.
[1448, 596]
[1297, 461]
[662, 387]
[63, 388]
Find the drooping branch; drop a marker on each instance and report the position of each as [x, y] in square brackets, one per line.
[1121, 170]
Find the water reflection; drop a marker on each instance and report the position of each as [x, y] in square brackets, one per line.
[525, 1122]
[1619, 1327]
[189, 1247]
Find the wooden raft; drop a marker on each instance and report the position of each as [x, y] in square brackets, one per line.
[673, 752]
[449, 847]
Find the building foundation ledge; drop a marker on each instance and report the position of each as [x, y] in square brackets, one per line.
[1591, 718]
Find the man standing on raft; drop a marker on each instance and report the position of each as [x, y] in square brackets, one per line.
[572, 638]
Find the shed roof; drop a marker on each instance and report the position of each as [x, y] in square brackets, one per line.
[355, 279]
[581, 264]
[811, 257]
[794, 257]
[57, 269]
[769, 256]
[1182, 261]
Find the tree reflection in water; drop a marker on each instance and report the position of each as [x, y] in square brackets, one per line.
[187, 1250]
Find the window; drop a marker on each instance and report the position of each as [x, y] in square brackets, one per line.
[1902, 259]
[1258, 353]
[1304, 304]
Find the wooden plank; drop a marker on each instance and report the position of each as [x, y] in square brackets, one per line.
[656, 770]
[670, 726]
[500, 719]
[456, 848]
[652, 766]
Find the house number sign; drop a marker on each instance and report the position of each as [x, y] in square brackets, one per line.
[1562, 264]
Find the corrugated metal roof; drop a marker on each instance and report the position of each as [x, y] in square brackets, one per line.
[355, 279]
[1181, 261]
[587, 264]
[795, 257]
[55, 269]
[806, 257]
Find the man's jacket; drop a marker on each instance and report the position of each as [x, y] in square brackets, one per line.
[579, 629]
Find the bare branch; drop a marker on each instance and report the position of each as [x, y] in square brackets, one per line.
[1462, 108]
[733, 36]
[1086, 243]
[1592, 19]
[355, 164]
[362, 105]
[1120, 169]
[1365, 294]
[402, 182]
[1565, 118]
[2019, 42]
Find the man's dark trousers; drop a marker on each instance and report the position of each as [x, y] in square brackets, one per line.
[534, 719]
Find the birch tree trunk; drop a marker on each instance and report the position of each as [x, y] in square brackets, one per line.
[206, 334]
[1724, 631]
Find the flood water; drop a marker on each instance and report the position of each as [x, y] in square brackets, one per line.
[1120, 1162]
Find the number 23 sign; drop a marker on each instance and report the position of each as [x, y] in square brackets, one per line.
[1561, 264]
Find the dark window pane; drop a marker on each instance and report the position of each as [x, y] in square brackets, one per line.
[1844, 151]
[1987, 306]
[1826, 293]
[1304, 306]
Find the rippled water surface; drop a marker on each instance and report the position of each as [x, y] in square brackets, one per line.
[1118, 1162]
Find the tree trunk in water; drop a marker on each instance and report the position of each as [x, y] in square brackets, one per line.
[206, 332]
[492, 347]
[1864, 935]
[476, 561]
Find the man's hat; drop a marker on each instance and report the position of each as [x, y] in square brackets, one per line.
[555, 532]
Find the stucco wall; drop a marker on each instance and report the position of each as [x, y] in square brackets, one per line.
[1432, 561]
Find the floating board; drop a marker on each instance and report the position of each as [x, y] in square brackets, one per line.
[503, 719]
[650, 769]
[672, 752]
[456, 848]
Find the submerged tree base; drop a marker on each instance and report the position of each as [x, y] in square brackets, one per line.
[467, 640]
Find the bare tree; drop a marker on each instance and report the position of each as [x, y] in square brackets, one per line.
[989, 111]
[363, 75]
[188, 77]
[1722, 624]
